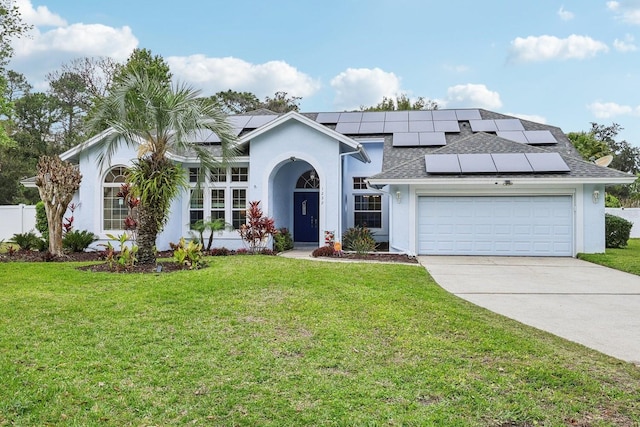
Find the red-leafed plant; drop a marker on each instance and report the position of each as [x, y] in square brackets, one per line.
[67, 225]
[256, 231]
[131, 220]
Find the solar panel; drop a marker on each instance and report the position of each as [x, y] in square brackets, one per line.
[371, 127]
[431, 139]
[483, 125]
[373, 116]
[442, 163]
[238, 121]
[405, 139]
[257, 121]
[514, 135]
[476, 163]
[393, 127]
[203, 135]
[396, 116]
[446, 126]
[547, 162]
[468, 114]
[352, 117]
[327, 117]
[420, 115]
[444, 115]
[511, 162]
[540, 137]
[421, 126]
[348, 128]
[509, 124]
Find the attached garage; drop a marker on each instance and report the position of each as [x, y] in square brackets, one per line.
[495, 225]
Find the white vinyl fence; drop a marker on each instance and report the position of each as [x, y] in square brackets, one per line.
[630, 214]
[17, 219]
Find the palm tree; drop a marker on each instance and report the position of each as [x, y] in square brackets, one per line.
[146, 111]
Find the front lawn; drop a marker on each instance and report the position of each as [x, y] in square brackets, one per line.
[625, 259]
[258, 340]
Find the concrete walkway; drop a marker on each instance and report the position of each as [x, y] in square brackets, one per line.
[586, 303]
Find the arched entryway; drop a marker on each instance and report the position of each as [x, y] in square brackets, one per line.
[306, 208]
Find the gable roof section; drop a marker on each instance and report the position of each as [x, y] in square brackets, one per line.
[357, 148]
[414, 170]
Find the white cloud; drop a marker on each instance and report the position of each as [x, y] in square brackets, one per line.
[79, 40]
[626, 10]
[471, 95]
[545, 48]
[39, 16]
[625, 45]
[564, 14]
[217, 74]
[52, 42]
[356, 87]
[608, 110]
[531, 117]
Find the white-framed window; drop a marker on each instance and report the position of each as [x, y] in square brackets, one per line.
[367, 210]
[359, 183]
[239, 208]
[196, 205]
[114, 209]
[218, 204]
[222, 194]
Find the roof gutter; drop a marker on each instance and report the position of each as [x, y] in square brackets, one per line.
[379, 183]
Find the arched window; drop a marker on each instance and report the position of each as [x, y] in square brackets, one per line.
[114, 208]
[308, 180]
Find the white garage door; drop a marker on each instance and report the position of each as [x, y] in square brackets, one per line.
[519, 226]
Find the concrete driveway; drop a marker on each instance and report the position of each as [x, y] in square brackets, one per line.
[586, 303]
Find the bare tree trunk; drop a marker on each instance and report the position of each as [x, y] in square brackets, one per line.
[57, 181]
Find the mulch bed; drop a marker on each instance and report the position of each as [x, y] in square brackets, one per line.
[167, 263]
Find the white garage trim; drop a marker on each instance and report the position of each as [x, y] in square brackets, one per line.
[540, 225]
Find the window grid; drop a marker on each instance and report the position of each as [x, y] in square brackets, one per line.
[240, 174]
[367, 211]
[217, 204]
[218, 175]
[359, 183]
[239, 207]
[196, 205]
[114, 210]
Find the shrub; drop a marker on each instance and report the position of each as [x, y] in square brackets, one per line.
[282, 240]
[358, 239]
[617, 231]
[78, 240]
[188, 254]
[126, 258]
[27, 241]
[219, 252]
[323, 251]
[257, 229]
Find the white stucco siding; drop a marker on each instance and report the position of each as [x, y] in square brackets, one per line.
[355, 168]
[270, 151]
[592, 213]
[89, 198]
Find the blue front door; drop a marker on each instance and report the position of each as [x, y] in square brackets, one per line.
[305, 216]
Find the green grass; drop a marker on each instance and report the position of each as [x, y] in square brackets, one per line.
[625, 259]
[258, 340]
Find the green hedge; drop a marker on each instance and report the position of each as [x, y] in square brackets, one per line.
[617, 231]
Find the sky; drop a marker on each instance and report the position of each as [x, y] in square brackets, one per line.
[564, 63]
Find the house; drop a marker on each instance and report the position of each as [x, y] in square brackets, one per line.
[464, 182]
